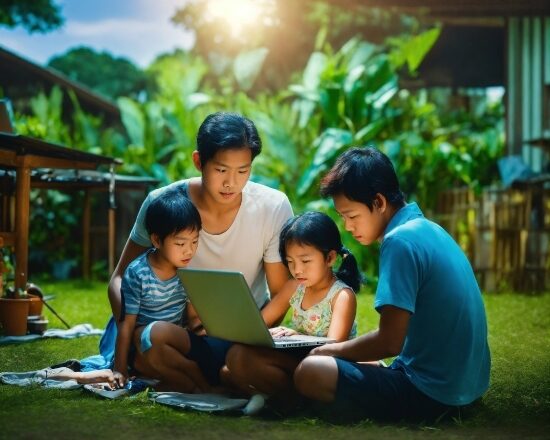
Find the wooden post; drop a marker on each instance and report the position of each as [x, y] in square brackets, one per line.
[112, 207]
[111, 240]
[86, 236]
[22, 210]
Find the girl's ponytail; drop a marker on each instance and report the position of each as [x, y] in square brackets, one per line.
[348, 271]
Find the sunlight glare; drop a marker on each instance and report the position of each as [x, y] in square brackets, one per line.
[237, 13]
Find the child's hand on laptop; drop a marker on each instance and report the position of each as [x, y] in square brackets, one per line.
[279, 332]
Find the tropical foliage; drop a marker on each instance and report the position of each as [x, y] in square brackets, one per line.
[347, 96]
[33, 15]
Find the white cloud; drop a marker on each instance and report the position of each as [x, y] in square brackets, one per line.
[140, 40]
[139, 37]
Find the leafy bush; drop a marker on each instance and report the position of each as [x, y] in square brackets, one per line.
[346, 97]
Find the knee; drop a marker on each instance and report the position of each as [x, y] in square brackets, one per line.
[236, 360]
[316, 377]
[305, 374]
[166, 334]
[159, 340]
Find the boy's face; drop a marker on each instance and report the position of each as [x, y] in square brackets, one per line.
[225, 175]
[365, 225]
[178, 249]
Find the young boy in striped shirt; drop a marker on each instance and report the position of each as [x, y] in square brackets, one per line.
[153, 298]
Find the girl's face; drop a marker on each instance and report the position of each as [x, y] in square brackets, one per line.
[178, 249]
[308, 265]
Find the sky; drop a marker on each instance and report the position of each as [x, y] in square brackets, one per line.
[138, 30]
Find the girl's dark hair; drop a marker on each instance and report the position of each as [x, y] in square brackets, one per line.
[170, 213]
[319, 230]
[223, 131]
[360, 174]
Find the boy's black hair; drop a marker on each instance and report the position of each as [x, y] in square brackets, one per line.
[360, 174]
[170, 213]
[223, 131]
[319, 230]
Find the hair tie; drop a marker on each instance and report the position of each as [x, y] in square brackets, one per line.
[344, 251]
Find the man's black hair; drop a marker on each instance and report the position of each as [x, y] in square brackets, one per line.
[223, 131]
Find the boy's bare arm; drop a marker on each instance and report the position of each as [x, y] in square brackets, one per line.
[130, 252]
[386, 341]
[124, 339]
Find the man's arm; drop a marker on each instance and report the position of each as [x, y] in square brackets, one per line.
[379, 344]
[130, 252]
[277, 276]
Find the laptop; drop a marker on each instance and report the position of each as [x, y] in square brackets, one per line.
[228, 311]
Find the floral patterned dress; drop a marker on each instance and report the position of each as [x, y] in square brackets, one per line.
[315, 321]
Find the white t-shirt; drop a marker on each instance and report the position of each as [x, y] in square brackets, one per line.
[251, 240]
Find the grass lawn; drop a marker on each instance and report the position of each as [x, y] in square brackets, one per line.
[516, 405]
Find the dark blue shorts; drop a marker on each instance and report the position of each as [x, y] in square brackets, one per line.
[209, 353]
[368, 391]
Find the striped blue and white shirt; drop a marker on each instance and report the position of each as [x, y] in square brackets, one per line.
[148, 297]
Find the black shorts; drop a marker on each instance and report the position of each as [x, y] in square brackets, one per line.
[209, 353]
[368, 391]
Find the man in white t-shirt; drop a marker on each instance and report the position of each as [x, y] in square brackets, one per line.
[241, 223]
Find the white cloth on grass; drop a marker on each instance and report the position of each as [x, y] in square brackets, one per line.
[74, 332]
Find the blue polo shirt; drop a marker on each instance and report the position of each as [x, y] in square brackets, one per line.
[422, 270]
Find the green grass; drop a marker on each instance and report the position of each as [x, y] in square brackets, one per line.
[516, 405]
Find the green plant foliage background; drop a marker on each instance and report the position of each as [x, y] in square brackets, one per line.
[346, 96]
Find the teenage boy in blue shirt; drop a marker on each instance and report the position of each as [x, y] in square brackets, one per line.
[432, 316]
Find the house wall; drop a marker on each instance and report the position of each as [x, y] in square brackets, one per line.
[528, 88]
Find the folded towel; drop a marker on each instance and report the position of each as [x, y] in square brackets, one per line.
[74, 332]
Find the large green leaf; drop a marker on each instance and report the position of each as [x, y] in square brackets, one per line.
[328, 144]
[362, 54]
[383, 95]
[330, 98]
[308, 177]
[370, 131]
[353, 79]
[417, 48]
[378, 73]
[412, 50]
[305, 109]
[247, 66]
[314, 68]
[197, 99]
[304, 93]
[132, 119]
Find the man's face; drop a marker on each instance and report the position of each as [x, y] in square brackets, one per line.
[225, 175]
[365, 225]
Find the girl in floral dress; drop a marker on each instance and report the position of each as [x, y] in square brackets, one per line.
[322, 301]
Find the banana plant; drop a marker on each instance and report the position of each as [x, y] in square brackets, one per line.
[353, 89]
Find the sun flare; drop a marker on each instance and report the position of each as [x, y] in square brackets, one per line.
[237, 13]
